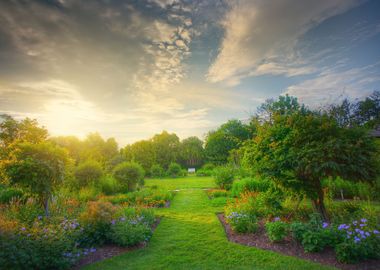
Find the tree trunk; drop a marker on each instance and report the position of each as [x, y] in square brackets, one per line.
[319, 205]
[46, 206]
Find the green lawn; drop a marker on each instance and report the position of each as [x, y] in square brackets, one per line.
[182, 183]
[191, 237]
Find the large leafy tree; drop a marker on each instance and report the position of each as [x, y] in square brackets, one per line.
[142, 152]
[191, 152]
[227, 137]
[166, 148]
[298, 150]
[38, 168]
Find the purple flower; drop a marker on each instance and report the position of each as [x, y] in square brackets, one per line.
[355, 222]
[325, 225]
[92, 249]
[23, 229]
[363, 220]
[375, 231]
[356, 239]
[28, 235]
[122, 219]
[113, 222]
[277, 219]
[341, 227]
[362, 225]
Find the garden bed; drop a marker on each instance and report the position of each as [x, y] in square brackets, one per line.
[292, 248]
[108, 251]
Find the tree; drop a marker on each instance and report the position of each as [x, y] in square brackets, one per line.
[88, 172]
[166, 147]
[156, 171]
[191, 152]
[96, 148]
[129, 174]
[299, 150]
[227, 137]
[174, 170]
[39, 168]
[142, 152]
[224, 177]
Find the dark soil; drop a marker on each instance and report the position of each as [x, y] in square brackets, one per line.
[109, 251]
[291, 247]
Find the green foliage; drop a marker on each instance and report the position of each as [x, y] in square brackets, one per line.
[166, 147]
[242, 222]
[276, 230]
[342, 189]
[216, 193]
[298, 229]
[89, 193]
[191, 152]
[224, 177]
[292, 147]
[8, 194]
[132, 228]
[108, 185]
[39, 168]
[314, 241]
[96, 221]
[206, 170]
[88, 172]
[174, 170]
[129, 174]
[249, 184]
[156, 171]
[144, 198]
[40, 247]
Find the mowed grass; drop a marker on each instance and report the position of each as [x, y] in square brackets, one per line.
[190, 236]
[181, 183]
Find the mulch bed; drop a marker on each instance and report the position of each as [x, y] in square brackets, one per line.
[292, 248]
[109, 251]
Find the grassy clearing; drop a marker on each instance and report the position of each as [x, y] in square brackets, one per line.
[182, 183]
[191, 237]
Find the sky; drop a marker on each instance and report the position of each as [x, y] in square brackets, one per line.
[130, 69]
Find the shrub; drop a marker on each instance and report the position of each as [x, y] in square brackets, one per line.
[108, 185]
[242, 222]
[25, 213]
[359, 243]
[129, 174]
[277, 230]
[216, 193]
[224, 177]
[96, 222]
[43, 246]
[206, 170]
[314, 241]
[174, 170]
[249, 184]
[156, 171]
[126, 232]
[89, 193]
[298, 229]
[88, 173]
[7, 194]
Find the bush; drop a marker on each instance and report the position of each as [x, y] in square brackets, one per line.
[96, 222]
[242, 222]
[143, 198]
[89, 193]
[174, 170]
[349, 190]
[40, 247]
[88, 173]
[298, 229]
[206, 170]
[249, 184]
[224, 177]
[216, 193]
[108, 185]
[125, 232]
[129, 174]
[156, 171]
[277, 230]
[7, 194]
[314, 241]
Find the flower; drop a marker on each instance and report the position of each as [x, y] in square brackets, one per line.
[375, 231]
[325, 225]
[363, 220]
[356, 239]
[277, 219]
[23, 229]
[92, 249]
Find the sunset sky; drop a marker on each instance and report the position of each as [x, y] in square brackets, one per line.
[129, 69]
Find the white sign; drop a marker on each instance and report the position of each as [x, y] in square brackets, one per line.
[191, 170]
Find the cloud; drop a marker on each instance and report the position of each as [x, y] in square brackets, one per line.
[261, 37]
[335, 84]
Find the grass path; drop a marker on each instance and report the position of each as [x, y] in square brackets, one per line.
[191, 237]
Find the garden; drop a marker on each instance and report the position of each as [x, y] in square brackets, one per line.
[293, 187]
